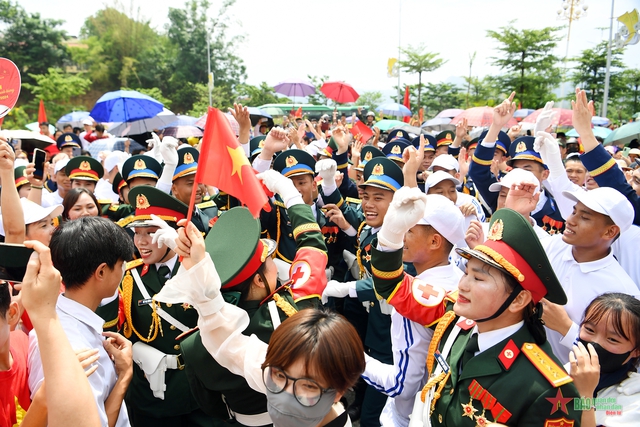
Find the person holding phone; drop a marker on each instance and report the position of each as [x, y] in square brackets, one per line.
[62, 181]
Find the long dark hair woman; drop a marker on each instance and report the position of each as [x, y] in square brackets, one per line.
[79, 202]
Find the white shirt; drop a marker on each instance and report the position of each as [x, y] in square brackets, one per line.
[104, 191]
[83, 328]
[410, 343]
[582, 282]
[50, 199]
[463, 199]
[486, 340]
[625, 249]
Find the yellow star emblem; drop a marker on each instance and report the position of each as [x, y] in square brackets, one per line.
[239, 159]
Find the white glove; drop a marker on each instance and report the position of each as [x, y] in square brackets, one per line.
[405, 210]
[154, 145]
[544, 118]
[335, 289]
[165, 235]
[280, 184]
[631, 385]
[549, 150]
[169, 150]
[327, 168]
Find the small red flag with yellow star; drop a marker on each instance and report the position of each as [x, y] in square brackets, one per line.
[224, 165]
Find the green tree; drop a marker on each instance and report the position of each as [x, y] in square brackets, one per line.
[590, 71]
[317, 98]
[419, 61]
[33, 43]
[57, 89]
[255, 96]
[188, 30]
[440, 96]
[527, 62]
[371, 99]
[627, 103]
[481, 92]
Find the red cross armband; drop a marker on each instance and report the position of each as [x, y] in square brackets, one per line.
[419, 301]
[307, 277]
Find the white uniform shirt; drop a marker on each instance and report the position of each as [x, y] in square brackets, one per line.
[50, 199]
[83, 328]
[410, 343]
[625, 249]
[104, 191]
[582, 282]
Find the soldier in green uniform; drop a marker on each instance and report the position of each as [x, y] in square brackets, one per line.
[248, 281]
[443, 140]
[488, 360]
[84, 171]
[382, 178]
[206, 211]
[22, 183]
[159, 392]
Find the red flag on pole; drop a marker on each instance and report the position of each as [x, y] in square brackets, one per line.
[363, 130]
[406, 103]
[42, 113]
[299, 112]
[421, 116]
[224, 164]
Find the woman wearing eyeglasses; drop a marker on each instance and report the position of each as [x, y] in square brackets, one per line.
[247, 278]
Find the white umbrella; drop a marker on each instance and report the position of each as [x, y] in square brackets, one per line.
[137, 127]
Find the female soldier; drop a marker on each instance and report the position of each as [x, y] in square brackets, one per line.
[249, 281]
[604, 362]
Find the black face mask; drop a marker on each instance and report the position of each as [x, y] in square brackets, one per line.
[609, 362]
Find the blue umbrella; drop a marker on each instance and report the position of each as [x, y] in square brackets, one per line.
[597, 131]
[125, 106]
[600, 121]
[74, 118]
[394, 109]
[182, 120]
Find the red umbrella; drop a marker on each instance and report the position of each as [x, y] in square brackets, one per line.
[479, 117]
[563, 117]
[340, 92]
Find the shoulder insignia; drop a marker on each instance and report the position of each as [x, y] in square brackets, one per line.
[205, 205]
[114, 208]
[135, 263]
[186, 334]
[353, 200]
[452, 296]
[554, 373]
[279, 203]
[105, 201]
[466, 324]
[559, 422]
[124, 221]
[508, 355]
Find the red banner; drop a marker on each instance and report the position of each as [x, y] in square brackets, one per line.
[9, 86]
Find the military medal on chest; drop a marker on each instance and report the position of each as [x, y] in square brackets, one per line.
[488, 402]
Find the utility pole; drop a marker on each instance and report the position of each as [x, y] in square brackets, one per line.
[605, 98]
[471, 59]
[209, 73]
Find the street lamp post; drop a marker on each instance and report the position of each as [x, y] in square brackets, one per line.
[209, 73]
[572, 10]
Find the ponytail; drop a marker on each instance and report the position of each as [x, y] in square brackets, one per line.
[533, 321]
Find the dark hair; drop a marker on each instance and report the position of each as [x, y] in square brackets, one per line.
[5, 299]
[245, 287]
[85, 153]
[327, 343]
[72, 197]
[532, 315]
[447, 246]
[79, 247]
[622, 310]
[77, 130]
[99, 128]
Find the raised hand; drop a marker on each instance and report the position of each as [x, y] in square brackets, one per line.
[342, 139]
[582, 113]
[504, 112]
[405, 210]
[545, 118]
[277, 140]
[523, 198]
[165, 235]
[189, 244]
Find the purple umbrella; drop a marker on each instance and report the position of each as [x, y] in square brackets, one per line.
[451, 112]
[295, 87]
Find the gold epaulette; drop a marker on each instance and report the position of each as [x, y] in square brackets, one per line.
[353, 200]
[135, 263]
[279, 203]
[125, 221]
[104, 201]
[553, 372]
[205, 205]
[114, 207]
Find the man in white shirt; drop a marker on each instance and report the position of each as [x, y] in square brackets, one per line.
[427, 245]
[64, 185]
[584, 263]
[91, 270]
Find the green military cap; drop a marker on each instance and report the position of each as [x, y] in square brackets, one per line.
[445, 137]
[118, 183]
[367, 153]
[141, 166]
[471, 144]
[84, 168]
[513, 247]
[187, 162]
[383, 173]
[149, 201]
[237, 262]
[294, 162]
[20, 176]
[255, 145]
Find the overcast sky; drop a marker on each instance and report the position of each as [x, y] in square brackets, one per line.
[351, 40]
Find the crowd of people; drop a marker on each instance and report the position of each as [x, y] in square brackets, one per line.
[471, 277]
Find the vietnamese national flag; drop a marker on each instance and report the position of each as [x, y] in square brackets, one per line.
[224, 165]
[363, 130]
[42, 113]
[407, 104]
[299, 112]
